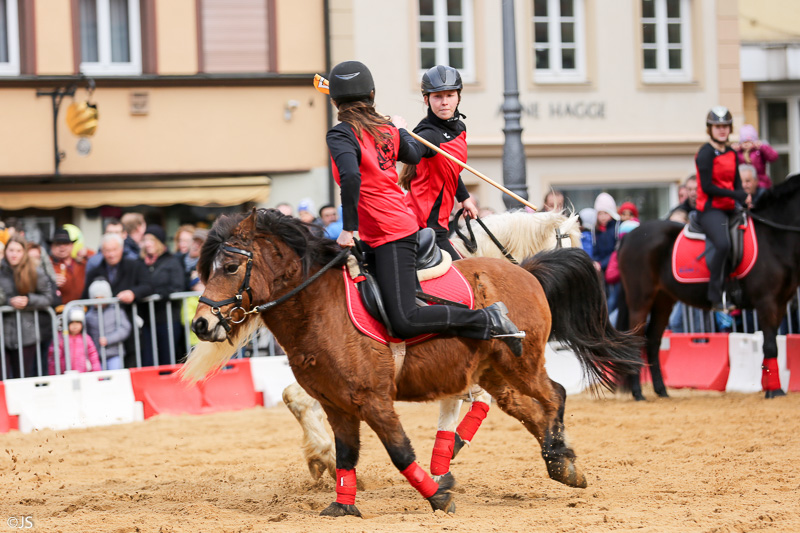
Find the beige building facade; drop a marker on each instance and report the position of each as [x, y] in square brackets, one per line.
[204, 105]
[614, 94]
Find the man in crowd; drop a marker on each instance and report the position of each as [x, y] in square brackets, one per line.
[750, 181]
[129, 280]
[330, 221]
[680, 213]
[112, 225]
[70, 273]
[134, 225]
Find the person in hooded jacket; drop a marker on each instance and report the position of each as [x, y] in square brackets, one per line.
[435, 182]
[166, 276]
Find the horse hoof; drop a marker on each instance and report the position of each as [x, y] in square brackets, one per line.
[777, 393]
[662, 393]
[442, 500]
[317, 468]
[340, 509]
[457, 445]
[564, 471]
[638, 396]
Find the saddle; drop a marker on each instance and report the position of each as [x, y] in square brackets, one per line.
[691, 248]
[434, 274]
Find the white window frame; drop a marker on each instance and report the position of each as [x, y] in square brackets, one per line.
[11, 67]
[104, 66]
[662, 73]
[557, 74]
[442, 45]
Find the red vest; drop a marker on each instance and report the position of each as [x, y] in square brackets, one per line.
[434, 174]
[723, 174]
[382, 212]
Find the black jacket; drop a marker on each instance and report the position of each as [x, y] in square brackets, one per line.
[166, 276]
[131, 275]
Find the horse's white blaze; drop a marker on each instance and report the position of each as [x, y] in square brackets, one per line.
[207, 356]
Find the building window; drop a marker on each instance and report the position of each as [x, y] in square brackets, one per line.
[235, 36]
[110, 37]
[779, 127]
[9, 38]
[446, 36]
[666, 46]
[558, 41]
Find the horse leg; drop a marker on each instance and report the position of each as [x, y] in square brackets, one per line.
[637, 318]
[346, 431]
[449, 439]
[659, 318]
[770, 373]
[380, 415]
[540, 408]
[318, 448]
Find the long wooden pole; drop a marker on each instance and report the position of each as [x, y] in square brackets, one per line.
[467, 167]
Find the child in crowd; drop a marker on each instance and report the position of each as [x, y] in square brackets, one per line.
[82, 351]
[588, 218]
[751, 151]
[116, 326]
[628, 211]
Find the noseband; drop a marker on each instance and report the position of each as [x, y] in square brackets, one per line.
[239, 311]
[237, 299]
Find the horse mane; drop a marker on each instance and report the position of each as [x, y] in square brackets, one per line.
[779, 195]
[311, 248]
[523, 234]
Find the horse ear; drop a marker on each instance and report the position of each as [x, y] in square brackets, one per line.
[247, 227]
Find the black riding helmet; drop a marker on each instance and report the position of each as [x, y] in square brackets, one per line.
[441, 78]
[350, 81]
[719, 115]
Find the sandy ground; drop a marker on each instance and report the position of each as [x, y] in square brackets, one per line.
[696, 462]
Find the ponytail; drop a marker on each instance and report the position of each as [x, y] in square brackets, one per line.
[408, 173]
[361, 116]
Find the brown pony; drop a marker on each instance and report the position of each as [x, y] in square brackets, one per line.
[246, 262]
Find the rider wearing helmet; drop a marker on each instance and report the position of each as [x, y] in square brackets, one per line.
[718, 188]
[435, 183]
[364, 148]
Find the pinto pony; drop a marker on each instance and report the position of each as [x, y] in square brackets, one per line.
[523, 234]
[250, 264]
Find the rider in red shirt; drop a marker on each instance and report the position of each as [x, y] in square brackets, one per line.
[435, 183]
[718, 189]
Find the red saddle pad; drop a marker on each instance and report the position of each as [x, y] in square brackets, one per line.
[687, 268]
[452, 286]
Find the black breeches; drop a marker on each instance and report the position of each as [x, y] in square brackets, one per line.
[444, 243]
[396, 276]
[715, 225]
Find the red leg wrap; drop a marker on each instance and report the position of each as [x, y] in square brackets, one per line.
[420, 480]
[472, 421]
[770, 377]
[442, 452]
[345, 486]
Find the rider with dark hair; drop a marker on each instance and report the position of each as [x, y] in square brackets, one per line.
[718, 188]
[435, 182]
[364, 148]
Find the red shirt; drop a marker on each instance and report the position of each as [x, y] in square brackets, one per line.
[718, 183]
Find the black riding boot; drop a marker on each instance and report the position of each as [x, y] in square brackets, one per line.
[502, 327]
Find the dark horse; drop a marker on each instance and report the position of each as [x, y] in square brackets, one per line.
[268, 256]
[650, 288]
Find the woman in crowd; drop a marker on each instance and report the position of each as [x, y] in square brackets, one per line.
[26, 288]
[435, 182]
[751, 151]
[166, 276]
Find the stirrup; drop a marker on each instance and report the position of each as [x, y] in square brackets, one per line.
[517, 335]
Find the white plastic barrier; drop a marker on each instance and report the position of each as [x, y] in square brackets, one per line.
[45, 402]
[107, 398]
[73, 400]
[745, 351]
[270, 376]
[563, 367]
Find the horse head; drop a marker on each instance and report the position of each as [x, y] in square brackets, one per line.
[240, 265]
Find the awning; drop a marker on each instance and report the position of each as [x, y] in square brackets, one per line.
[216, 191]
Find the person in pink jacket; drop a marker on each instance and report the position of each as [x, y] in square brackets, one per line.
[82, 351]
[751, 151]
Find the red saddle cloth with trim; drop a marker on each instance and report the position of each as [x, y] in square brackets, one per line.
[687, 268]
[452, 286]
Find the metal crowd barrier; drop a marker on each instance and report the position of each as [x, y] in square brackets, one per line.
[37, 331]
[262, 343]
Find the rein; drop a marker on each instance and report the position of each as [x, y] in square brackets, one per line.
[245, 287]
[774, 224]
[472, 244]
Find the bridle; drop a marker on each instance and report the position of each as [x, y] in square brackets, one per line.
[238, 314]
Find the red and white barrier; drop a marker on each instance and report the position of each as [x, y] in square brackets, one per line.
[270, 376]
[563, 367]
[697, 361]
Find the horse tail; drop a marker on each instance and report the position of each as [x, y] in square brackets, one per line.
[577, 303]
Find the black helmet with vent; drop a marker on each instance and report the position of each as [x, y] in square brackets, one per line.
[350, 81]
[441, 78]
[719, 115]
